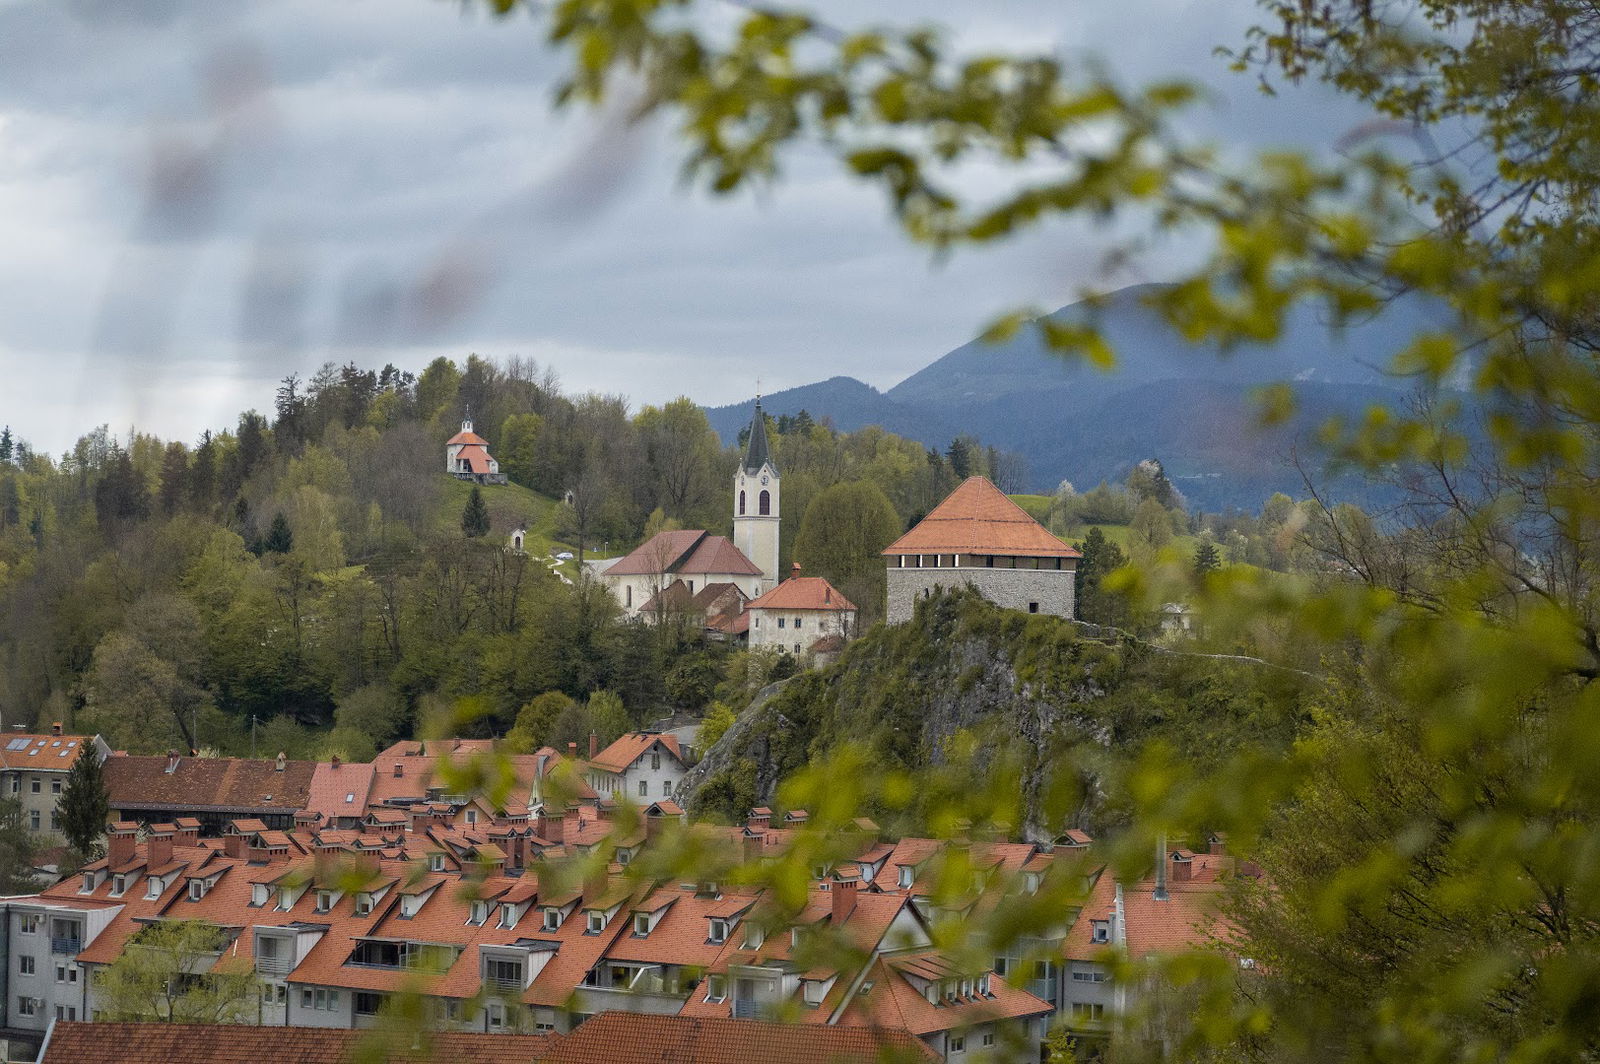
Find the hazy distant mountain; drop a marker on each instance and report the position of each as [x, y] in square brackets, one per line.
[1168, 399]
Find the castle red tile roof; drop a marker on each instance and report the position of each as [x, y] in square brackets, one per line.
[635, 1038]
[686, 551]
[978, 518]
[77, 1042]
[802, 593]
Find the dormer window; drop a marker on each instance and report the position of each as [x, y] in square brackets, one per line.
[719, 930]
[641, 924]
[324, 901]
[409, 904]
[907, 875]
[1102, 931]
[88, 883]
[717, 988]
[983, 985]
[286, 900]
[753, 937]
[260, 893]
[508, 915]
[363, 904]
[597, 921]
[436, 862]
[478, 913]
[815, 991]
[197, 889]
[153, 888]
[119, 886]
[552, 918]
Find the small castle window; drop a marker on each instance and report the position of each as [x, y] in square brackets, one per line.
[741, 503]
[764, 503]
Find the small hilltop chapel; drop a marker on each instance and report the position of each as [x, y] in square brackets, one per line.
[467, 457]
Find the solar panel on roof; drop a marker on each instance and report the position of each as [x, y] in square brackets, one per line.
[17, 744]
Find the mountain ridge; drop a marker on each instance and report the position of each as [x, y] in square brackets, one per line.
[1190, 405]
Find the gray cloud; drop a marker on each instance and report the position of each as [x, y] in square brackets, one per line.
[196, 198]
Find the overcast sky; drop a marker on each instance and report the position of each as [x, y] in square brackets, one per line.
[197, 197]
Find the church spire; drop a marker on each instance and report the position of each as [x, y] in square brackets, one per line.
[756, 454]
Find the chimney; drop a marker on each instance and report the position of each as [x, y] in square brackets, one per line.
[753, 845]
[794, 571]
[572, 751]
[1182, 868]
[760, 818]
[160, 845]
[233, 844]
[1217, 844]
[120, 847]
[188, 833]
[594, 745]
[541, 823]
[334, 761]
[1161, 870]
[399, 770]
[844, 901]
[55, 728]
[282, 757]
[172, 761]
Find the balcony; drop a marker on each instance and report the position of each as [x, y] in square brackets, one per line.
[66, 946]
[753, 1009]
[279, 965]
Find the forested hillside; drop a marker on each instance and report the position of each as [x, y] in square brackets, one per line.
[306, 574]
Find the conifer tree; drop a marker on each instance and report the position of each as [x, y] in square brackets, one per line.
[85, 805]
[475, 517]
[18, 846]
[1206, 558]
[280, 537]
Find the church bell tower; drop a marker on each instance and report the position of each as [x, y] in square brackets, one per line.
[755, 503]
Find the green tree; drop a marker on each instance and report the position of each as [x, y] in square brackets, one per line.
[85, 805]
[842, 536]
[18, 850]
[1206, 558]
[280, 537]
[536, 722]
[718, 719]
[475, 515]
[1096, 603]
[166, 974]
[437, 388]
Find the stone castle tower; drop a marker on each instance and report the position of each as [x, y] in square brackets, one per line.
[755, 503]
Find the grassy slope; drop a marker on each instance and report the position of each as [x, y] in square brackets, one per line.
[1038, 507]
[509, 505]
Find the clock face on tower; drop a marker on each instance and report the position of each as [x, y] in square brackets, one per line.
[763, 480]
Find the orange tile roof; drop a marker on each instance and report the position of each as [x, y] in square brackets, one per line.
[894, 1002]
[802, 593]
[628, 749]
[475, 456]
[47, 753]
[330, 783]
[466, 437]
[165, 1043]
[635, 1038]
[978, 518]
[223, 784]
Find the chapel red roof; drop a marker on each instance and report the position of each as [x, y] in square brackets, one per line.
[686, 552]
[978, 518]
[466, 437]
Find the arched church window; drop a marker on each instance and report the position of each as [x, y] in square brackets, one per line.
[741, 504]
[764, 501]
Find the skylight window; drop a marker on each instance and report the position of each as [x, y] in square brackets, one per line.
[17, 744]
